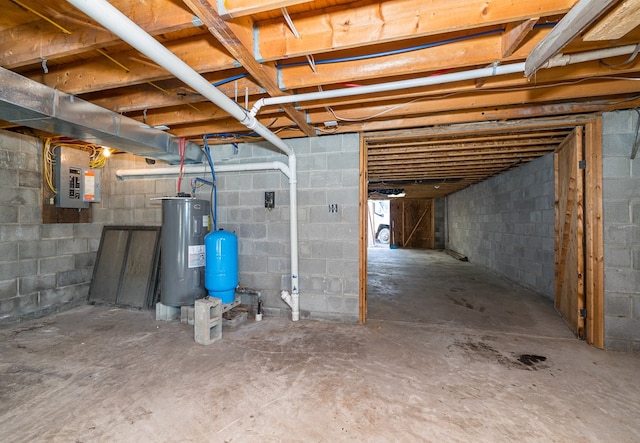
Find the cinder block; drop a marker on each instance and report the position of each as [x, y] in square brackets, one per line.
[35, 283]
[8, 289]
[22, 268]
[166, 313]
[72, 246]
[57, 231]
[9, 214]
[74, 277]
[187, 315]
[208, 320]
[9, 233]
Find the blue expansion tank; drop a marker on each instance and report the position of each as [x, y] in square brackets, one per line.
[221, 265]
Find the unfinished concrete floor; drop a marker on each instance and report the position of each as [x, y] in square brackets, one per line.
[441, 359]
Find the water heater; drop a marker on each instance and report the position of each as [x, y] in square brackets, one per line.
[185, 222]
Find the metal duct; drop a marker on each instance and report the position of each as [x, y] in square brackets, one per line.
[28, 103]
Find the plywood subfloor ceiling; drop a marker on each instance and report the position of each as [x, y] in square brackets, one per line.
[433, 140]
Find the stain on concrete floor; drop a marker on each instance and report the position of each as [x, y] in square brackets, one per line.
[96, 374]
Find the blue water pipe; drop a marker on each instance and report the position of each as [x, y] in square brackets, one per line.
[214, 190]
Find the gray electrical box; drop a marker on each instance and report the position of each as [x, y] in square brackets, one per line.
[76, 184]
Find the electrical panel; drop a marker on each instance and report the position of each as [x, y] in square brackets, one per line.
[76, 184]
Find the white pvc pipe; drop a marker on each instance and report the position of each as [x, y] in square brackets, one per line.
[112, 19]
[171, 171]
[473, 74]
[390, 86]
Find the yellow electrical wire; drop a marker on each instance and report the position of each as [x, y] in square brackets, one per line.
[47, 165]
[97, 159]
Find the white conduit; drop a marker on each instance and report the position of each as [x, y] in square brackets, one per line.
[172, 171]
[112, 19]
[473, 74]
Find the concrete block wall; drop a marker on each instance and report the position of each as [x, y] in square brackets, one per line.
[130, 202]
[328, 173]
[506, 224]
[49, 267]
[621, 196]
[43, 268]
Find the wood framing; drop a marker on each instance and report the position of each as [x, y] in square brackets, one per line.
[569, 229]
[362, 315]
[621, 20]
[594, 231]
[576, 21]
[413, 223]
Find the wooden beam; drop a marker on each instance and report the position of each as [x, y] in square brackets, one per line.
[514, 35]
[493, 127]
[479, 51]
[491, 99]
[172, 92]
[99, 73]
[411, 162]
[553, 75]
[226, 126]
[621, 20]
[263, 74]
[442, 149]
[419, 139]
[367, 23]
[239, 8]
[29, 43]
[434, 157]
[583, 14]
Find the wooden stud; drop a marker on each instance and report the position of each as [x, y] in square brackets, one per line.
[362, 315]
[594, 231]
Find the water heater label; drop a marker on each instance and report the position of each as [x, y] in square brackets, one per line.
[196, 256]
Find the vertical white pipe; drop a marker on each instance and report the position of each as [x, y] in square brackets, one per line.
[293, 232]
[112, 19]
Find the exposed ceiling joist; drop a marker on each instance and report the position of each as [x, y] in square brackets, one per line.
[575, 22]
[620, 21]
[31, 42]
[263, 74]
[356, 26]
[255, 55]
[241, 8]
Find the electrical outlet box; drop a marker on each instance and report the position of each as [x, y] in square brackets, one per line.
[269, 199]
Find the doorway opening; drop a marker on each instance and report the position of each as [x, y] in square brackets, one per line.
[379, 232]
[524, 212]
